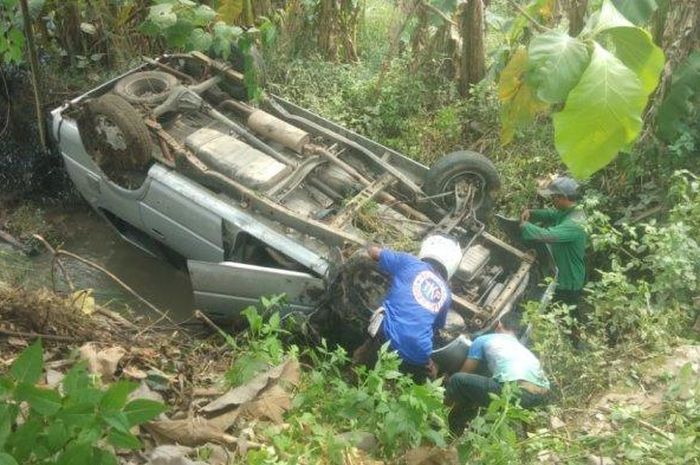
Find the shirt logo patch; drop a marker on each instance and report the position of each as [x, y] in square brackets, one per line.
[429, 292]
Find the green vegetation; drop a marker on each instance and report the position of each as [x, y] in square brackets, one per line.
[78, 424]
[643, 210]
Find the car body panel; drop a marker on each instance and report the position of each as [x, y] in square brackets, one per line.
[227, 288]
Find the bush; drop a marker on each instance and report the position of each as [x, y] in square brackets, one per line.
[79, 424]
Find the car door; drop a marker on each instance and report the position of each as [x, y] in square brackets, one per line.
[223, 289]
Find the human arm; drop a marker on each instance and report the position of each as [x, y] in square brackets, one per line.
[474, 356]
[542, 215]
[374, 251]
[566, 231]
[441, 317]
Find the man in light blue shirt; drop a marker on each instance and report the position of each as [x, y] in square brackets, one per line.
[507, 361]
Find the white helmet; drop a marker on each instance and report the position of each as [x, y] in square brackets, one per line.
[444, 250]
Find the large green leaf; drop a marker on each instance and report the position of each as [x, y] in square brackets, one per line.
[556, 62]
[680, 99]
[116, 395]
[77, 453]
[123, 440]
[601, 115]
[162, 15]
[637, 11]
[7, 459]
[142, 410]
[45, 402]
[607, 18]
[636, 49]
[519, 104]
[29, 365]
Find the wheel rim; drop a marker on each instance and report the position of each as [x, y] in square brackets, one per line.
[471, 177]
[110, 135]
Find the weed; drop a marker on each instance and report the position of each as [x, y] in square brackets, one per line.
[78, 424]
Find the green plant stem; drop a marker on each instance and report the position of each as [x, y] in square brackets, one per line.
[34, 64]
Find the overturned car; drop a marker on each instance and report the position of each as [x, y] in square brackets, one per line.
[274, 199]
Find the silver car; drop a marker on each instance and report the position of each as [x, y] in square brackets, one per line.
[272, 198]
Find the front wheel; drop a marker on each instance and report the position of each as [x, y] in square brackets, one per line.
[463, 165]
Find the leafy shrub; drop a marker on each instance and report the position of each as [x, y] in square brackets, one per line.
[400, 413]
[492, 437]
[263, 346]
[79, 424]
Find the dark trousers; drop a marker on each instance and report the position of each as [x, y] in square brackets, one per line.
[368, 353]
[468, 392]
[573, 298]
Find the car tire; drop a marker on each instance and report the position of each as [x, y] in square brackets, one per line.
[463, 164]
[116, 138]
[146, 87]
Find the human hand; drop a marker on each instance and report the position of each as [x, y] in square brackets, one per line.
[524, 216]
[432, 369]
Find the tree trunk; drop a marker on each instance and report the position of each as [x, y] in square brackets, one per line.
[577, 15]
[680, 37]
[472, 62]
[326, 22]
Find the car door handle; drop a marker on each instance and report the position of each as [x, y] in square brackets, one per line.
[158, 234]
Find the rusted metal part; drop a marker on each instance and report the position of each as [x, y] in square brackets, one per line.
[384, 165]
[266, 207]
[464, 199]
[360, 200]
[509, 248]
[468, 309]
[169, 69]
[293, 181]
[510, 288]
[383, 196]
[240, 107]
[225, 69]
[271, 127]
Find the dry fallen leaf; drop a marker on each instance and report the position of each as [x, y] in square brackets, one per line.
[271, 405]
[53, 377]
[193, 431]
[134, 373]
[83, 301]
[171, 455]
[431, 456]
[287, 372]
[103, 362]
[17, 341]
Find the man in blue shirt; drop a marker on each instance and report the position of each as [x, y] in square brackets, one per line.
[507, 361]
[415, 305]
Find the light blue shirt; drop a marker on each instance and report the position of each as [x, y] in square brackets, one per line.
[508, 359]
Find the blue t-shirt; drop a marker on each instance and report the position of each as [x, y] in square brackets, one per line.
[508, 359]
[415, 305]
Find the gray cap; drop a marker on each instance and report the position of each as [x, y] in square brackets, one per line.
[561, 185]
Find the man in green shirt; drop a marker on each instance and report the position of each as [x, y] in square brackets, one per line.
[562, 228]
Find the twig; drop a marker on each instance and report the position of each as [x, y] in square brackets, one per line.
[534, 22]
[55, 261]
[163, 314]
[437, 11]
[643, 423]
[7, 237]
[201, 316]
[7, 115]
[53, 337]
[34, 65]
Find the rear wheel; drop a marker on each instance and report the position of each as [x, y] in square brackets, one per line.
[116, 137]
[463, 166]
[146, 87]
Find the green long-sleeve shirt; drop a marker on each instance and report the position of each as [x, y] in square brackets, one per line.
[564, 232]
